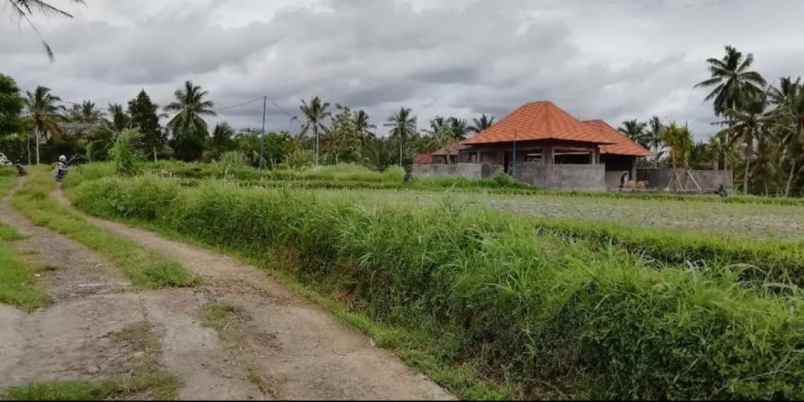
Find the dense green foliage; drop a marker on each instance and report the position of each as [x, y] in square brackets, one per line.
[530, 305]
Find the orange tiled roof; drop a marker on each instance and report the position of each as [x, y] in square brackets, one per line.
[622, 146]
[451, 149]
[424, 159]
[540, 121]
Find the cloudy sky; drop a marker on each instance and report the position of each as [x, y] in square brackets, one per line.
[614, 60]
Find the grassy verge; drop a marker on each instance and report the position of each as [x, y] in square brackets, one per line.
[144, 268]
[526, 308]
[17, 277]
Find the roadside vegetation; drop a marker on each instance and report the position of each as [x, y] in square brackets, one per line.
[18, 285]
[144, 268]
[532, 309]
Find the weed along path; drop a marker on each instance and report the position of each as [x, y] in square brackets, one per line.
[289, 348]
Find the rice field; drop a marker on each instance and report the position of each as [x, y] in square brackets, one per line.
[597, 297]
[747, 221]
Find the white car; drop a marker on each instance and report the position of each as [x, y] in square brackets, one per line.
[4, 161]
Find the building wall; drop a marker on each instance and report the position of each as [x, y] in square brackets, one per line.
[709, 180]
[565, 176]
[473, 171]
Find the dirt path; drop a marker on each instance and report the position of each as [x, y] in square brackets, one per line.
[290, 348]
[99, 327]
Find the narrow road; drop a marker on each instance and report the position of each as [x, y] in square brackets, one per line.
[285, 346]
[97, 325]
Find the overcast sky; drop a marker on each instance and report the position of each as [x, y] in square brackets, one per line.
[614, 60]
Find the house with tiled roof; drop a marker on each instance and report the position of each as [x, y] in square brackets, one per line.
[543, 145]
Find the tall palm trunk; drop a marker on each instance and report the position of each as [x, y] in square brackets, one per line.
[748, 151]
[315, 131]
[36, 138]
[788, 187]
[789, 184]
[28, 149]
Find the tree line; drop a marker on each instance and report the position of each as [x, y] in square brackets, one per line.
[36, 126]
[760, 132]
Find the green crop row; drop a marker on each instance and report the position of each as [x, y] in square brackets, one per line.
[529, 305]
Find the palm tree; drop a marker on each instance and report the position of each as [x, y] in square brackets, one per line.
[481, 124]
[679, 140]
[458, 128]
[315, 113]
[437, 125]
[44, 111]
[403, 126]
[25, 9]
[748, 124]
[190, 107]
[734, 84]
[120, 120]
[654, 138]
[635, 130]
[789, 113]
[363, 127]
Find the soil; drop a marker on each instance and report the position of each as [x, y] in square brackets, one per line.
[281, 347]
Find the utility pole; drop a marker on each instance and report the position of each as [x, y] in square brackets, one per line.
[262, 137]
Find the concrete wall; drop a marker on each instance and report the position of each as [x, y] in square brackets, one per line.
[474, 171]
[564, 176]
[709, 180]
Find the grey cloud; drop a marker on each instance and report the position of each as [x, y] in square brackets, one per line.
[613, 60]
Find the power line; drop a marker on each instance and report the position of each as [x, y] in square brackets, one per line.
[223, 109]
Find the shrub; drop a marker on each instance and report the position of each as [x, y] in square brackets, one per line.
[124, 154]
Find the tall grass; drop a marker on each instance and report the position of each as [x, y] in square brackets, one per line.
[529, 306]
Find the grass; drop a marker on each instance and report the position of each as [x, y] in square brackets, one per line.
[538, 312]
[355, 177]
[144, 268]
[18, 285]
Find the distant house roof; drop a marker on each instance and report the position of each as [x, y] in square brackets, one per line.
[423, 159]
[622, 146]
[540, 121]
[451, 149]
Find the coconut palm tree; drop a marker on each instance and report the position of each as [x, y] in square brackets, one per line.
[635, 130]
[481, 124]
[733, 81]
[403, 126]
[363, 127]
[45, 113]
[748, 124]
[680, 142]
[25, 9]
[315, 113]
[189, 108]
[789, 116]
[458, 128]
[120, 120]
[654, 138]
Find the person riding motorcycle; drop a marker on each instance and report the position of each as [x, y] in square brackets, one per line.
[61, 168]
